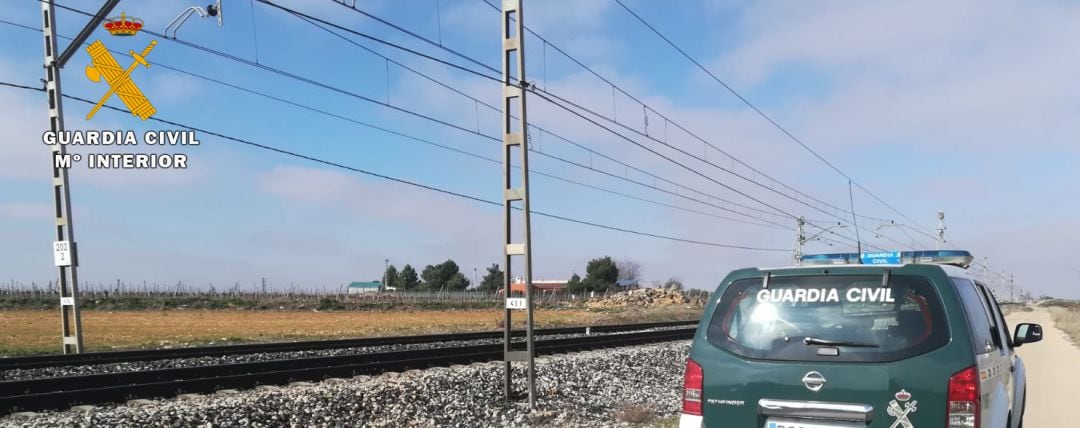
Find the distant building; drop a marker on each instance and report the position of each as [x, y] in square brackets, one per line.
[359, 287]
[627, 284]
[542, 286]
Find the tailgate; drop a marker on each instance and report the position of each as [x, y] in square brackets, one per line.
[827, 351]
[858, 395]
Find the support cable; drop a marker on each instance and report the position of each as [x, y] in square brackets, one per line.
[679, 126]
[405, 181]
[451, 125]
[762, 113]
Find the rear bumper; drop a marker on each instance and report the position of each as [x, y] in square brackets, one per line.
[816, 410]
[691, 421]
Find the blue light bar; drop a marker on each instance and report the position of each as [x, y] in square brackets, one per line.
[831, 259]
[940, 257]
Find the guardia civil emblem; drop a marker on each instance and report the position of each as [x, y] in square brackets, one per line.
[900, 408]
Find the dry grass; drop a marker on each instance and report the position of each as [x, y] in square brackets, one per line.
[27, 332]
[1008, 308]
[665, 422]
[635, 413]
[1068, 320]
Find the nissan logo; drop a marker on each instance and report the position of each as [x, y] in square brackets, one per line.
[813, 381]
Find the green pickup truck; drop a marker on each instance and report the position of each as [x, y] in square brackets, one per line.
[890, 340]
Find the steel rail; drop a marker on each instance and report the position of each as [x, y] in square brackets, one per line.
[62, 392]
[59, 360]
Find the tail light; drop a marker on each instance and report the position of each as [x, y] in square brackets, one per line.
[692, 385]
[964, 403]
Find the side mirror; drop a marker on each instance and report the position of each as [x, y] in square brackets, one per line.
[1027, 333]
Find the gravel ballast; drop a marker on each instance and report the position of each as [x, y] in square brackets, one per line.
[91, 369]
[585, 389]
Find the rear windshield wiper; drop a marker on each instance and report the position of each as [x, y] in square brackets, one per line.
[815, 341]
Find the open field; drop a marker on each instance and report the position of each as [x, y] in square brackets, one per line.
[29, 332]
[1068, 320]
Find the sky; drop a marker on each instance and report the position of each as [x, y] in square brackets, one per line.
[966, 108]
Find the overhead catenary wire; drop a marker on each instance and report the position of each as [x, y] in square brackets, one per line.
[464, 152]
[460, 195]
[543, 95]
[329, 87]
[292, 11]
[671, 160]
[316, 21]
[480, 63]
[762, 113]
[470, 59]
[678, 125]
[479, 102]
[463, 129]
[313, 20]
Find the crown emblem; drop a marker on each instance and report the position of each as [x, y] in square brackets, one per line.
[123, 25]
[903, 396]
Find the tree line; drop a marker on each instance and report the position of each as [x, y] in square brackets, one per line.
[601, 274]
[445, 276]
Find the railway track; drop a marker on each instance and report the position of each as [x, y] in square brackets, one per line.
[63, 392]
[40, 361]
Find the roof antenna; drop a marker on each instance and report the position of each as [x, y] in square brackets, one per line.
[854, 219]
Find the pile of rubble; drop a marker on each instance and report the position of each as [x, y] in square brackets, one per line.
[646, 297]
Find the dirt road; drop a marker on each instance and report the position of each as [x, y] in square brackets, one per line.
[1053, 370]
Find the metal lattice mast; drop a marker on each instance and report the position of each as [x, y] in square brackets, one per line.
[941, 229]
[64, 248]
[514, 137]
[800, 239]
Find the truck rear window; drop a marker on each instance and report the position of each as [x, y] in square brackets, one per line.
[829, 318]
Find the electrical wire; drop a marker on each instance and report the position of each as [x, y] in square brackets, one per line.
[676, 124]
[433, 43]
[676, 162]
[463, 129]
[544, 95]
[496, 109]
[470, 59]
[320, 84]
[460, 151]
[762, 113]
[299, 78]
[310, 19]
[404, 181]
[313, 20]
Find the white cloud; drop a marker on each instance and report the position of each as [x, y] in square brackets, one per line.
[25, 210]
[386, 202]
[25, 157]
[966, 73]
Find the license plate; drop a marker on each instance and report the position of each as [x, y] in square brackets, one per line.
[794, 423]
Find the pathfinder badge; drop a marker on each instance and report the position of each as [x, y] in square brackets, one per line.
[901, 413]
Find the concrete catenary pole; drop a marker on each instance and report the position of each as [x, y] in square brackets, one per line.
[65, 251]
[515, 137]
